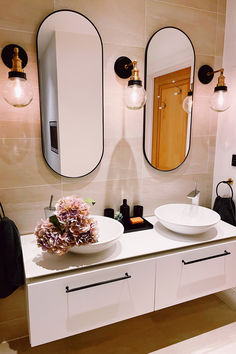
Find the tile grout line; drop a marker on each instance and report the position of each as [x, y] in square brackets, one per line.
[31, 186]
[183, 6]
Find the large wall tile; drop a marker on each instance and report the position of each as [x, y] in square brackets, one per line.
[204, 118]
[208, 5]
[189, 20]
[22, 164]
[220, 34]
[122, 160]
[199, 88]
[26, 40]
[24, 15]
[119, 22]
[172, 189]
[221, 6]
[25, 206]
[120, 122]
[20, 122]
[107, 194]
[197, 161]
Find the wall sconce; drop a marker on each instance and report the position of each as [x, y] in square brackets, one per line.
[17, 91]
[220, 100]
[188, 101]
[135, 95]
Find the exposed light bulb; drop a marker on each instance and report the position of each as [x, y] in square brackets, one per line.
[135, 97]
[17, 92]
[188, 103]
[220, 101]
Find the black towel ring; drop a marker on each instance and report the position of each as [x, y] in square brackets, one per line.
[228, 183]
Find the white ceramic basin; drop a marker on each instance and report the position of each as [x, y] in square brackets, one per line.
[186, 218]
[109, 232]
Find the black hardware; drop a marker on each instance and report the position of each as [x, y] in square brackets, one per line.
[233, 160]
[121, 70]
[228, 183]
[127, 276]
[7, 54]
[226, 253]
[205, 74]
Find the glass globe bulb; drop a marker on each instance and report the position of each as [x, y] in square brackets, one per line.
[187, 104]
[17, 92]
[220, 101]
[135, 96]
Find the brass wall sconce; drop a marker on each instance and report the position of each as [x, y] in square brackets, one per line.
[17, 91]
[135, 95]
[220, 100]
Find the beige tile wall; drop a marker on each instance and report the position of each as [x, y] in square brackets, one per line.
[26, 182]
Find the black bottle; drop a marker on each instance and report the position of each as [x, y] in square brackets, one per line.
[124, 209]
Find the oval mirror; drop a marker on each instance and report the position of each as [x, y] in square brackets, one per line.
[70, 65]
[169, 79]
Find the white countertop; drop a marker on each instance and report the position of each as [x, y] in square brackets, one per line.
[38, 263]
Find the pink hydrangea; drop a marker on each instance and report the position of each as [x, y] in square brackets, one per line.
[77, 227]
[50, 238]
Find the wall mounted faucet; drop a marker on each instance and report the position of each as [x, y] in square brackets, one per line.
[194, 195]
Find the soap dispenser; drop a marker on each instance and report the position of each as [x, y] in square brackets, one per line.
[124, 209]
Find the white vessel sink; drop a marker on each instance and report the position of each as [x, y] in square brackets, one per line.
[186, 218]
[109, 232]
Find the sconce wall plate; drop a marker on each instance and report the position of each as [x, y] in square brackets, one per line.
[120, 67]
[205, 74]
[7, 54]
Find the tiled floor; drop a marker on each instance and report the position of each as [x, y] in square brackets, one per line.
[205, 325]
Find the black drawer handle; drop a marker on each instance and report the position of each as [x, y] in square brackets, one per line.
[226, 253]
[127, 276]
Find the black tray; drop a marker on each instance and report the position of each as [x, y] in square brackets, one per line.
[146, 225]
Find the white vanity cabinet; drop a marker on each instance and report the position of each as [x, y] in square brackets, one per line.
[186, 275]
[70, 304]
[143, 272]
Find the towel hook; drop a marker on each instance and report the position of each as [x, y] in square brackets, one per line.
[229, 182]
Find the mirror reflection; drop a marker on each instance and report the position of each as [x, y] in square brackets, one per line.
[169, 79]
[70, 64]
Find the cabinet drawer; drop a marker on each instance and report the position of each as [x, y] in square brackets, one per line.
[76, 303]
[191, 274]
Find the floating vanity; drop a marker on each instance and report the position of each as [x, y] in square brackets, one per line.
[143, 272]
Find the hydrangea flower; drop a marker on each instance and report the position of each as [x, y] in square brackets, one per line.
[75, 227]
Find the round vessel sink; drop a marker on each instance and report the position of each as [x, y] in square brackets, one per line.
[186, 218]
[109, 230]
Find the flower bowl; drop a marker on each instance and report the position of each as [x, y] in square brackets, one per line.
[109, 232]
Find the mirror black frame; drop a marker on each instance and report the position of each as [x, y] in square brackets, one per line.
[101, 95]
[145, 86]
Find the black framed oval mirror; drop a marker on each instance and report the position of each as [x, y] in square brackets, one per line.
[169, 80]
[70, 69]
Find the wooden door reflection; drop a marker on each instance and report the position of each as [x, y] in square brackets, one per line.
[170, 121]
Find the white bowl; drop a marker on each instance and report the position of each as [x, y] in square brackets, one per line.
[109, 230]
[186, 218]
